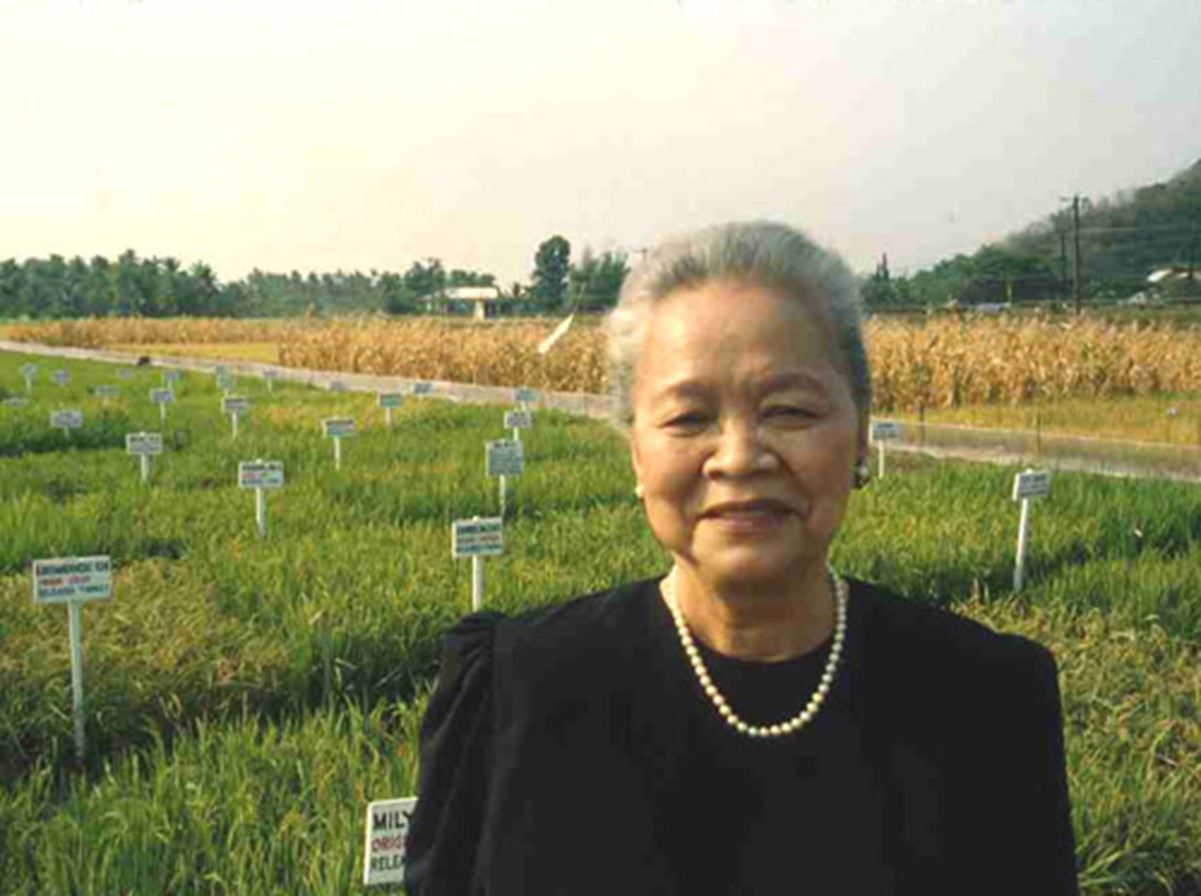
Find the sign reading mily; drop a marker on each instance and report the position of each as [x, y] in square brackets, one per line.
[387, 828]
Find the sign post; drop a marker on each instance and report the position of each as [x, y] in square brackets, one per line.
[269, 377]
[517, 421]
[66, 421]
[261, 475]
[30, 372]
[388, 401]
[162, 397]
[882, 433]
[1027, 485]
[423, 388]
[171, 377]
[60, 377]
[144, 444]
[477, 538]
[104, 393]
[384, 851]
[235, 407]
[338, 428]
[73, 580]
[504, 458]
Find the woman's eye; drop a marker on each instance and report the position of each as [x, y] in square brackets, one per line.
[784, 410]
[690, 419]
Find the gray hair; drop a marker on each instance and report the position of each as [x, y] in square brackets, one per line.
[762, 253]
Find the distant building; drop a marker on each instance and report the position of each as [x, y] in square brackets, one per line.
[483, 298]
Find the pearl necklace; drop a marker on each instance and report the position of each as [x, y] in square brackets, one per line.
[702, 674]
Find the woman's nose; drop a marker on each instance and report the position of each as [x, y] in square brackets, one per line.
[739, 451]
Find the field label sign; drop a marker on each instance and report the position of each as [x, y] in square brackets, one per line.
[384, 852]
[1031, 484]
[338, 427]
[66, 419]
[171, 376]
[261, 474]
[235, 406]
[15, 401]
[505, 457]
[886, 431]
[60, 377]
[162, 396]
[390, 400]
[423, 388]
[526, 396]
[477, 537]
[125, 373]
[71, 581]
[337, 386]
[67, 579]
[144, 443]
[106, 392]
[518, 420]
[1027, 485]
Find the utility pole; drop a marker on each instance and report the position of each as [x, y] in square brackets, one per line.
[1063, 264]
[1076, 256]
[1076, 240]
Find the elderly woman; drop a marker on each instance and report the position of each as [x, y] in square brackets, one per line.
[753, 722]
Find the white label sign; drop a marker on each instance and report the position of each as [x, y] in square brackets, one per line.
[237, 406]
[15, 402]
[261, 474]
[1031, 484]
[526, 396]
[337, 386]
[338, 427]
[171, 376]
[505, 458]
[66, 419]
[478, 537]
[518, 420]
[390, 399]
[144, 443]
[384, 852]
[69, 579]
[220, 370]
[125, 373]
[60, 377]
[223, 381]
[886, 431]
[106, 391]
[423, 388]
[162, 396]
[270, 374]
[29, 370]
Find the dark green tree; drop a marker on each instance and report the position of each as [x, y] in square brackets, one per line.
[551, 264]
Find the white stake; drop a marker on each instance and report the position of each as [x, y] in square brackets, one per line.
[145, 458]
[162, 412]
[337, 452]
[234, 419]
[75, 627]
[28, 384]
[1019, 570]
[477, 582]
[388, 417]
[503, 484]
[882, 450]
[260, 510]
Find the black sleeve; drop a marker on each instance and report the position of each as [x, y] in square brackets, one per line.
[1038, 848]
[445, 830]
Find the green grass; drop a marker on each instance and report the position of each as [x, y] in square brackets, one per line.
[248, 697]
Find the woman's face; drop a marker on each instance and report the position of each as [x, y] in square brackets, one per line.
[745, 433]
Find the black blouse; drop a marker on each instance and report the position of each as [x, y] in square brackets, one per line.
[571, 750]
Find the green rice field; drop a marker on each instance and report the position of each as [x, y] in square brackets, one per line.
[247, 697]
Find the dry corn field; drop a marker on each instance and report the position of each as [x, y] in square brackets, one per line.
[941, 363]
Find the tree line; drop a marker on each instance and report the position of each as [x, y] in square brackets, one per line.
[56, 287]
[1121, 239]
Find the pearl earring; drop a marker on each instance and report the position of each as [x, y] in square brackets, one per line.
[639, 491]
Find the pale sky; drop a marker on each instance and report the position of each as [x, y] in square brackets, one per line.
[351, 134]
